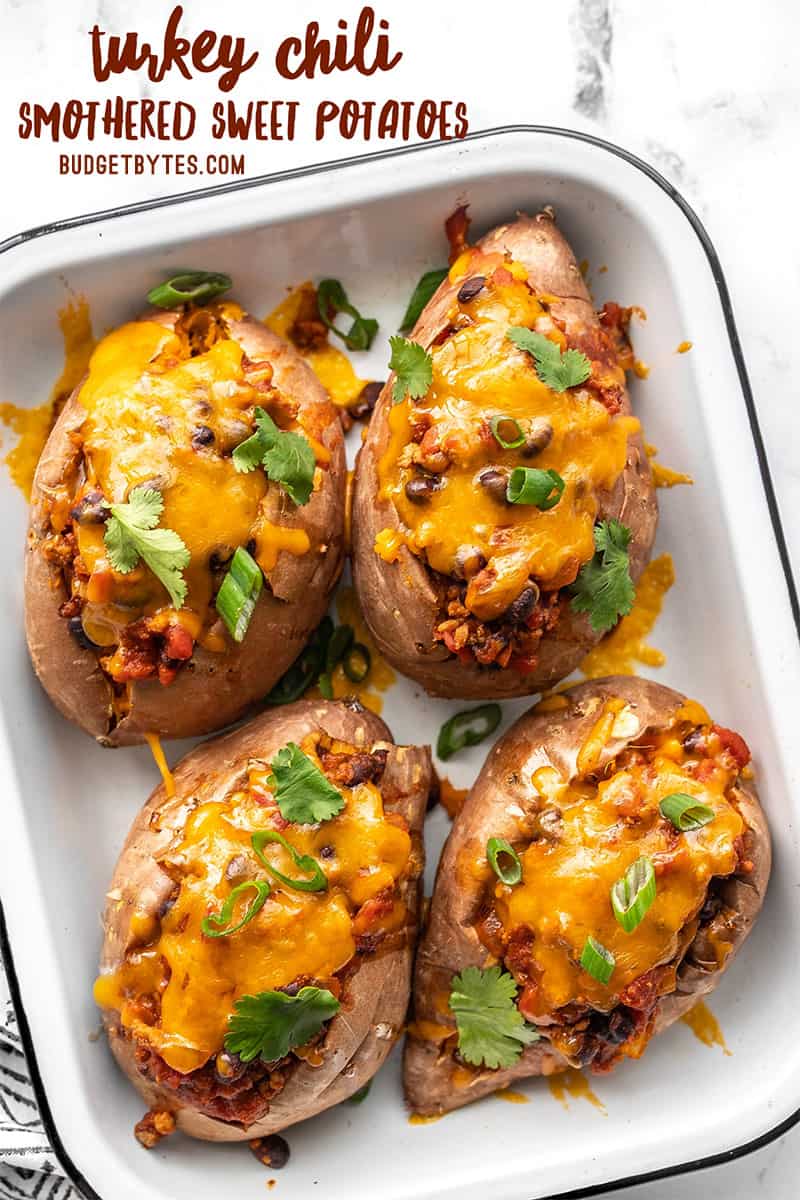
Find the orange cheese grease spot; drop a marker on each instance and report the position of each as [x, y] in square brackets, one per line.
[664, 477]
[551, 703]
[380, 677]
[333, 368]
[478, 373]
[705, 1026]
[418, 1119]
[564, 894]
[618, 653]
[572, 1085]
[33, 425]
[451, 797]
[430, 1031]
[512, 1097]
[684, 347]
[271, 539]
[640, 369]
[157, 750]
[295, 933]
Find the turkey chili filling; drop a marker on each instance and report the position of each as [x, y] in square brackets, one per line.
[505, 435]
[139, 529]
[593, 918]
[279, 891]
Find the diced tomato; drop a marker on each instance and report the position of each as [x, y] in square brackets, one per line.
[735, 745]
[178, 642]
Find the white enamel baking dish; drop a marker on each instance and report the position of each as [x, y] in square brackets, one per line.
[728, 631]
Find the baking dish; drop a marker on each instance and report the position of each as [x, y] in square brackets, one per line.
[729, 630]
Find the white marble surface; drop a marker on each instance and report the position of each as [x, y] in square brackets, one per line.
[707, 92]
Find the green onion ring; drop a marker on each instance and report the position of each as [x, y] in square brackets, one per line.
[241, 587]
[685, 812]
[497, 423]
[212, 926]
[357, 663]
[467, 729]
[634, 893]
[340, 643]
[190, 287]
[497, 847]
[304, 862]
[530, 485]
[597, 961]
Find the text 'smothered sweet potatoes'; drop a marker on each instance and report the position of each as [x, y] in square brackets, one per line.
[607, 865]
[260, 924]
[157, 424]
[488, 500]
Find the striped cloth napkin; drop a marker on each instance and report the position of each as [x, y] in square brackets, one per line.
[28, 1167]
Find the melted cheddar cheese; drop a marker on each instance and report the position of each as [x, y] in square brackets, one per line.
[296, 935]
[478, 374]
[149, 391]
[333, 368]
[605, 825]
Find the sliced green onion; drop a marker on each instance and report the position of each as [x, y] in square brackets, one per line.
[421, 295]
[357, 663]
[361, 1095]
[332, 299]
[237, 597]
[325, 685]
[597, 961]
[508, 872]
[530, 485]
[632, 895]
[507, 432]
[467, 729]
[304, 862]
[214, 925]
[340, 643]
[190, 287]
[305, 670]
[685, 812]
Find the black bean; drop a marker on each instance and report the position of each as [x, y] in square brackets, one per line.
[470, 288]
[220, 558]
[91, 509]
[420, 490]
[75, 626]
[272, 1151]
[202, 436]
[520, 609]
[228, 1067]
[620, 1027]
[468, 561]
[367, 399]
[495, 482]
[537, 439]
[327, 852]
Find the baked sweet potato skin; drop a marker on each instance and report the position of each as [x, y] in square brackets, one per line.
[358, 1039]
[212, 690]
[503, 789]
[400, 600]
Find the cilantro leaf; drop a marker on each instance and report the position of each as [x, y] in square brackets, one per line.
[287, 458]
[413, 367]
[604, 588]
[491, 1029]
[559, 370]
[331, 300]
[270, 1024]
[301, 790]
[131, 534]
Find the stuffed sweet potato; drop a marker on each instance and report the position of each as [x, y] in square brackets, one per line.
[260, 924]
[186, 525]
[503, 477]
[607, 865]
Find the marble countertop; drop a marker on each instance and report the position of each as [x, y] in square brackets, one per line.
[707, 93]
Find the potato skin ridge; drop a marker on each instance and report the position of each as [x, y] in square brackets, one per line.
[213, 689]
[450, 941]
[358, 1039]
[400, 600]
